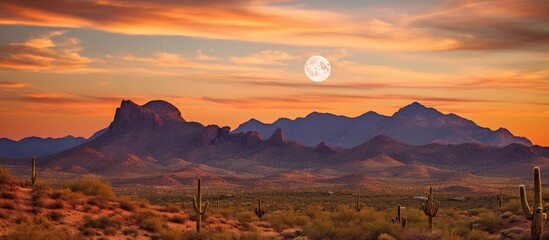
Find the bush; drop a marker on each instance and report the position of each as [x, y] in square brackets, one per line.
[72, 198]
[6, 194]
[58, 204]
[7, 205]
[178, 218]
[150, 221]
[488, 220]
[41, 187]
[91, 186]
[130, 231]
[39, 229]
[5, 177]
[128, 204]
[55, 216]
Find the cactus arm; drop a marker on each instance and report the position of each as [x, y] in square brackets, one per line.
[195, 207]
[524, 204]
[205, 208]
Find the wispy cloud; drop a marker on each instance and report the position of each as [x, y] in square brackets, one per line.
[265, 57]
[490, 24]
[248, 20]
[45, 53]
[204, 57]
[11, 85]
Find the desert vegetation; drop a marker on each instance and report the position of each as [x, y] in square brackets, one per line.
[88, 208]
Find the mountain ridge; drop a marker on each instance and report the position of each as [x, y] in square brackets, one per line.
[413, 124]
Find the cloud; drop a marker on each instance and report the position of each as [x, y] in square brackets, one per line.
[246, 20]
[44, 53]
[265, 57]
[490, 24]
[11, 85]
[204, 57]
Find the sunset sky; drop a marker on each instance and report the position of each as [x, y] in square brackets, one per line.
[65, 65]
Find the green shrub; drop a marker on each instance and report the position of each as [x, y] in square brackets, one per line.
[41, 187]
[91, 186]
[72, 198]
[488, 220]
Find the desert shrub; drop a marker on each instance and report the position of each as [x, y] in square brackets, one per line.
[127, 204]
[250, 236]
[72, 198]
[91, 186]
[58, 204]
[245, 217]
[488, 220]
[177, 218]
[414, 234]
[150, 221]
[130, 232]
[7, 205]
[55, 216]
[171, 208]
[173, 234]
[41, 187]
[109, 225]
[102, 222]
[39, 229]
[513, 206]
[477, 235]
[385, 236]
[5, 177]
[6, 194]
[283, 219]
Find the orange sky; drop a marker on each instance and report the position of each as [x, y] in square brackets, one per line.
[66, 65]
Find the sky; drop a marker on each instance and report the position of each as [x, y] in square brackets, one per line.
[65, 65]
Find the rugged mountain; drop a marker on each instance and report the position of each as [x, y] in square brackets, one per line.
[37, 146]
[153, 144]
[414, 124]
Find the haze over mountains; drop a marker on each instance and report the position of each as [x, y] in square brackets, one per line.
[152, 144]
[413, 124]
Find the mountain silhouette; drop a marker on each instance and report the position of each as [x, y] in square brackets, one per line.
[413, 124]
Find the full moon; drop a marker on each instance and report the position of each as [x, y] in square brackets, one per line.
[317, 68]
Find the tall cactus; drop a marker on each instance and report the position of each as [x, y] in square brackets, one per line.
[537, 217]
[430, 207]
[500, 197]
[34, 173]
[197, 205]
[358, 205]
[399, 218]
[259, 211]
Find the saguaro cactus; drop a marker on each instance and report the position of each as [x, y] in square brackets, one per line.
[34, 173]
[399, 218]
[358, 205]
[537, 217]
[259, 211]
[430, 207]
[500, 197]
[197, 205]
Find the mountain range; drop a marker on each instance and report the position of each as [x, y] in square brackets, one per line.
[414, 124]
[153, 144]
[37, 146]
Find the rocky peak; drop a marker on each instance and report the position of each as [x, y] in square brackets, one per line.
[153, 114]
[277, 137]
[323, 148]
[165, 110]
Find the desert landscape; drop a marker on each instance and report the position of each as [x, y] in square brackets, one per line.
[274, 119]
[137, 179]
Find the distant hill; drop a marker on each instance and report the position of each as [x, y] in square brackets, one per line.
[37, 146]
[413, 124]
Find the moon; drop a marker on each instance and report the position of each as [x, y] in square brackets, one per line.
[317, 68]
